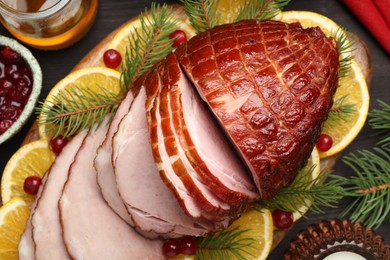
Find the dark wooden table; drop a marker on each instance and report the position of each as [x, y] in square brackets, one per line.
[112, 13]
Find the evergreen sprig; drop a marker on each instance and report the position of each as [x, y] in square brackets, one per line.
[149, 43]
[261, 9]
[345, 52]
[306, 191]
[75, 109]
[78, 108]
[379, 119]
[203, 14]
[370, 187]
[226, 244]
[339, 113]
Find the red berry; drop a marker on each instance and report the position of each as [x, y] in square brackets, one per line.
[15, 86]
[10, 55]
[179, 37]
[58, 143]
[282, 219]
[171, 248]
[325, 143]
[4, 125]
[112, 58]
[188, 246]
[31, 185]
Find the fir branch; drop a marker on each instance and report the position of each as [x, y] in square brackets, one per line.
[149, 43]
[73, 110]
[203, 14]
[370, 187]
[339, 113]
[225, 244]
[306, 191]
[261, 9]
[80, 108]
[345, 52]
[379, 119]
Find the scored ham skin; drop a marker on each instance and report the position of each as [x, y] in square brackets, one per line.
[91, 229]
[205, 145]
[46, 226]
[271, 86]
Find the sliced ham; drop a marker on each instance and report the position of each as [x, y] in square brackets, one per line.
[204, 143]
[178, 174]
[138, 180]
[103, 163]
[46, 226]
[91, 229]
[26, 247]
[271, 86]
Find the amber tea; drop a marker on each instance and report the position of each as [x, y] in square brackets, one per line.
[48, 24]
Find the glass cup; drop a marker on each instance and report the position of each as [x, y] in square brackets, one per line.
[48, 24]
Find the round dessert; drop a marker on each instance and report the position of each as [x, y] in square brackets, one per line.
[20, 86]
[337, 239]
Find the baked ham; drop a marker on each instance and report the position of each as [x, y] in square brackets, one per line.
[270, 85]
[227, 118]
[177, 173]
[133, 160]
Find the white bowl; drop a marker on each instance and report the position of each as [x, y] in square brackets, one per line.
[36, 88]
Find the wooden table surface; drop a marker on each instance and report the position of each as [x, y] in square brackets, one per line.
[112, 13]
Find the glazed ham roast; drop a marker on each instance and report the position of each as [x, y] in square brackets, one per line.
[226, 119]
[270, 86]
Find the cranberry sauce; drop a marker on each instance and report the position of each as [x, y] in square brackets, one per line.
[15, 86]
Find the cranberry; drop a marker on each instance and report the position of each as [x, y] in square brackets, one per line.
[31, 184]
[282, 219]
[15, 86]
[179, 37]
[10, 55]
[171, 248]
[188, 246]
[4, 125]
[112, 58]
[58, 143]
[325, 143]
[5, 86]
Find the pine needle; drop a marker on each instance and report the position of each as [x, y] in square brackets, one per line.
[379, 119]
[261, 9]
[203, 14]
[149, 43]
[76, 109]
[370, 187]
[80, 108]
[345, 52]
[306, 191]
[225, 245]
[339, 113]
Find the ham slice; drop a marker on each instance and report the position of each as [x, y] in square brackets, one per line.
[270, 85]
[205, 145]
[26, 247]
[46, 227]
[91, 229]
[195, 197]
[103, 164]
[138, 180]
